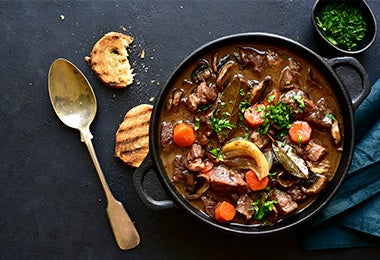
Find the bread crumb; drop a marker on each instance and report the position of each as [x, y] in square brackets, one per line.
[142, 55]
[151, 99]
[62, 17]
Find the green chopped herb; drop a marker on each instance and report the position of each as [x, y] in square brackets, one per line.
[331, 116]
[272, 174]
[262, 208]
[299, 139]
[342, 24]
[260, 108]
[219, 124]
[217, 154]
[204, 108]
[243, 106]
[271, 98]
[280, 115]
[197, 123]
[300, 102]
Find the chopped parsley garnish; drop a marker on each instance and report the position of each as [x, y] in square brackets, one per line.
[300, 102]
[272, 174]
[331, 116]
[262, 208]
[197, 123]
[271, 98]
[217, 154]
[220, 124]
[299, 139]
[243, 106]
[342, 24]
[280, 115]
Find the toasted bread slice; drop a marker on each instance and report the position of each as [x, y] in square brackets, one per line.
[109, 60]
[132, 137]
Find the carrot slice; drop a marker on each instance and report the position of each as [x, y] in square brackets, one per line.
[224, 212]
[183, 135]
[272, 98]
[253, 181]
[300, 132]
[254, 115]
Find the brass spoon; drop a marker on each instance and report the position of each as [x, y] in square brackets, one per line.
[74, 102]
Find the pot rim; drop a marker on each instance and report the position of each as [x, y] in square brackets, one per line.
[346, 157]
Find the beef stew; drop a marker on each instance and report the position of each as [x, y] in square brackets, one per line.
[255, 126]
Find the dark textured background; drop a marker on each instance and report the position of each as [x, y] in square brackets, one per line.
[52, 204]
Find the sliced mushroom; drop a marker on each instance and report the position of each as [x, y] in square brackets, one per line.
[319, 183]
[218, 63]
[259, 89]
[285, 179]
[320, 167]
[335, 132]
[201, 72]
[215, 58]
[200, 187]
[175, 98]
[221, 79]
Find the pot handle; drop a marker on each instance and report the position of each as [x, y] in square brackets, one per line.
[353, 77]
[138, 181]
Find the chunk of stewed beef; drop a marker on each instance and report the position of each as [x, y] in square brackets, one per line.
[254, 58]
[181, 174]
[202, 95]
[195, 157]
[166, 138]
[210, 204]
[289, 79]
[225, 180]
[285, 203]
[314, 152]
[319, 115]
[260, 140]
[195, 152]
[298, 101]
[245, 206]
[296, 194]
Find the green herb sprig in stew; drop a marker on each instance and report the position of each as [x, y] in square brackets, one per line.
[342, 24]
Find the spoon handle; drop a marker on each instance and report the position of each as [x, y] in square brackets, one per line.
[122, 226]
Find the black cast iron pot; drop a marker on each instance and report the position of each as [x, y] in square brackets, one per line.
[347, 78]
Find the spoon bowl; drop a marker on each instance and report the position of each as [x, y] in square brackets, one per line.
[74, 102]
[71, 95]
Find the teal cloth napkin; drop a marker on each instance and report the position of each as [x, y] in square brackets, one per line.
[352, 218]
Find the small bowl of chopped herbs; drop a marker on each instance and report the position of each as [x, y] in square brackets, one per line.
[348, 26]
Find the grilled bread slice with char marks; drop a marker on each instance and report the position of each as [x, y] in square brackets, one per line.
[132, 137]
